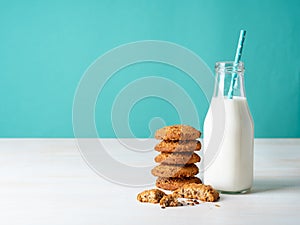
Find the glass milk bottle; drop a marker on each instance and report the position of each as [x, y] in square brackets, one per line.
[228, 133]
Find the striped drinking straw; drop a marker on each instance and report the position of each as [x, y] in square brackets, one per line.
[237, 59]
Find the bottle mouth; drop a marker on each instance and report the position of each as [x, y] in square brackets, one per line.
[229, 67]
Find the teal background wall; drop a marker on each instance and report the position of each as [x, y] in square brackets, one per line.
[45, 47]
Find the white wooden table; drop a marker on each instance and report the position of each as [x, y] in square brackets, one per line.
[45, 181]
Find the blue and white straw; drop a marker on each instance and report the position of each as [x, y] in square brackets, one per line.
[237, 59]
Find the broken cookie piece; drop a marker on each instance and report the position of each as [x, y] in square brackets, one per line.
[169, 201]
[197, 191]
[151, 196]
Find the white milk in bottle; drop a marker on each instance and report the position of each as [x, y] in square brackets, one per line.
[228, 134]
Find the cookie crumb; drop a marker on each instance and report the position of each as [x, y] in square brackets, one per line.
[217, 205]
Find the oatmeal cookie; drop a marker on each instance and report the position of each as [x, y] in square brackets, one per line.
[151, 196]
[177, 132]
[163, 170]
[178, 146]
[169, 201]
[177, 158]
[197, 191]
[175, 183]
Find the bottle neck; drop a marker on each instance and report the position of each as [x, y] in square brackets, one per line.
[229, 80]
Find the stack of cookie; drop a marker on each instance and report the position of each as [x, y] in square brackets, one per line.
[177, 158]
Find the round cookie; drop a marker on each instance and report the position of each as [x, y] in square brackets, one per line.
[177, 132]
[177, 158]
[174, 183]
[164, 170]
[178, 146]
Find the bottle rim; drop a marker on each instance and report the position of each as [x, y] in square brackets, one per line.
[229, 67]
